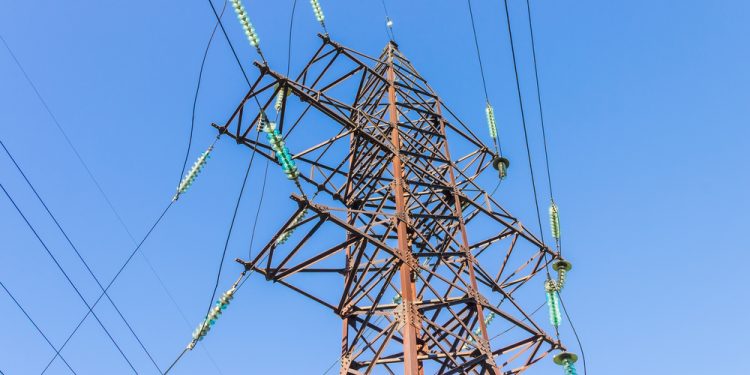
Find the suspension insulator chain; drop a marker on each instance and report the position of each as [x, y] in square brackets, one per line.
[319, 14]
[288, 233]
[192, 174]
[567, 361]
[280, 99]
[252, 36]
[283, 156]
[491, 124]
[562, 267]
[554, 221]
[214, 314]
[397, 299]
[478, 331]
[553, 302]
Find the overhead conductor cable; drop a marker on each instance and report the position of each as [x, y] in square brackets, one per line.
[499, 162]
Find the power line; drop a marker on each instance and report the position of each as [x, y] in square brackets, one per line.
[490, 112]
[78, 254]
[523, 320]
[262, 114]
[388, 23]
[231, 227]
[62, 131]
[197, 90]
[539, 100]
[479, 55]
[575, 333]
[546, 154]
[18, 304]
[187, 151]
[523, 122]
[265, 171]
[127, 261]
[226, 36]
[70, 281]
[176, 360]
[96, 183]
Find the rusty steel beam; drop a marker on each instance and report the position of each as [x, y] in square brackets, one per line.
[416, 251]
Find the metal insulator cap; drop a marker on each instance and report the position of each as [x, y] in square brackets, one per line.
[501, 164]
[497, 160]
[560, 358]
[562, 264]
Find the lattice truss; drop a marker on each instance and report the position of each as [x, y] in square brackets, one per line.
[398, 239]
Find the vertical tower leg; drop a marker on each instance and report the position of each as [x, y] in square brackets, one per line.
[408, 288]
[465, 241]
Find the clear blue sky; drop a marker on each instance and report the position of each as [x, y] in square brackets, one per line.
[646, 105]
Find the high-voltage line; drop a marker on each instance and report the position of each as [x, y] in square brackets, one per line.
[78, 253]
[72, 284]
[96, 183]
[36, 326]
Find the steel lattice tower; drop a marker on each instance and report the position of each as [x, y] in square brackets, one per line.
[392, 233]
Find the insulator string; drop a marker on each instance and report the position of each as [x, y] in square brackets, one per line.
[388, 23]
[99, 188]
[490, 112]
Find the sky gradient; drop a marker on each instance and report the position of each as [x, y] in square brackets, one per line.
[646, 108]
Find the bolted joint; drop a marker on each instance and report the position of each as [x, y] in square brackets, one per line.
[478, 298]
[407, 313]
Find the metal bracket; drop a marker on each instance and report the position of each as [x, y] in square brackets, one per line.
[478, 297]
[346, 362]
[407, 313]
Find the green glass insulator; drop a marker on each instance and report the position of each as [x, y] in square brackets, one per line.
[193, 173]
[554, 220]
[553, 302]
[317, 10]
[561, 278]
[279, 99]
[569, 367]
[491, 124]
[490, 317]
[397, 299]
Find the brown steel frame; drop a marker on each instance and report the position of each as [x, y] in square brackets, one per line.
[403, 208]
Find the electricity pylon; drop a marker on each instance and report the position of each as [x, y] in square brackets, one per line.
[392, 233]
